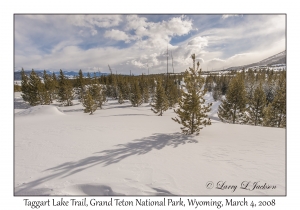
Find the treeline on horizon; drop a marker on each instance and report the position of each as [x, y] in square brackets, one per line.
[256, 97]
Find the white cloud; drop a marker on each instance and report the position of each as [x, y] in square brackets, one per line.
[102, 21]
[117, 35]
[198, 42]
[63, 44]
[149, 40]
[94, 32]
[135, 22]
[157, 34]
[242, 59]
[139, 64]
[227, 16]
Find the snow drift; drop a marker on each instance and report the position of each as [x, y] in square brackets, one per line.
[125, 150]
[41, 110]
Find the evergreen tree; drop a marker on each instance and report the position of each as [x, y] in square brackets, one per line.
[224, 84]
[269, 88]
[80, 85]
[55, 86]
[256, 105]
[50, 86]
[125, 90]
[192, 111]
[88, 80]
[135, 95]
[250, 84]
[24, 86]
[89, 103]
[103, 94]
[275, 115]
[120, 98]
[160, 102]
[152, 89]
[232, 108]
[114, 86]
[45, 96]
[65, 90]
[34, 86]
[37, 91]
[144, 89]
[171, 93]
[96, 92]
[216, 93]
[208, 83]
[121, 90]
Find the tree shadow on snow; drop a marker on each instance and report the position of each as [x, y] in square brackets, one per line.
[94, 189]
[107, 157]
[118, 115]
[73, 110]
[117, 107]
[162, 192]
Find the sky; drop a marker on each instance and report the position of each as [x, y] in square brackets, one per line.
[137, 43]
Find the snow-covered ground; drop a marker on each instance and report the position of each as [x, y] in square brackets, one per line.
[124, 150]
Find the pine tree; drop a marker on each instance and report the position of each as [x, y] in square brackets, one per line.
[34, 86]
[49, 86]
[120, 98]
[37, 91]
[96, 92]
[192, 111]
[114, 86]
[65, 90]
[152, 89]
[24, 86]
[160, 102]
[208, 83]
[144, 89]
[89, 103]
[250, 84]
[275, 115]
[55, 86]
[269, 88]
[256, 105]
[233, 106]
[171, 93]
[126, 90]
[135, 95]
[121, 90]
[88, 80]
[216, 93]
[80, 85]
[224, 84]
[45, 96]
[103, 94]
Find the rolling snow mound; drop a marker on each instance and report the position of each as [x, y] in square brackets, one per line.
[41, 110]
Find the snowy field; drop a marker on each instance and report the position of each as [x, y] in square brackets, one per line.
[125, 150]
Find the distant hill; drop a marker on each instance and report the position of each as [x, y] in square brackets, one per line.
[69, 74]
[277, 59]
